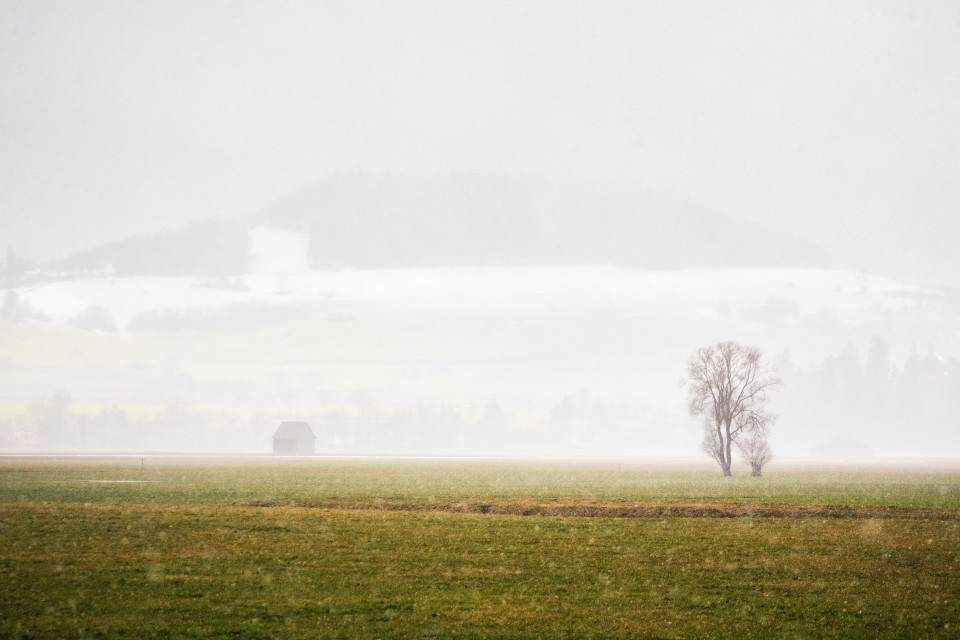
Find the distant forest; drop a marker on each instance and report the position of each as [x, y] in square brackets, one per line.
[399, 220]
[846, 390]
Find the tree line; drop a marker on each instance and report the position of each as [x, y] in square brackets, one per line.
[576, 423]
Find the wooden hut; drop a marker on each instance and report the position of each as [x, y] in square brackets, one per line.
[294, 438]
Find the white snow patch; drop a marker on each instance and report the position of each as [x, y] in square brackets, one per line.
[276, 251]
[689, 292]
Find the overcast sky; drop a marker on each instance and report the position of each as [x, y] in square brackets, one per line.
[839, 121]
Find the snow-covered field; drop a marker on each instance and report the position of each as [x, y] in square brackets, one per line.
[703, 292]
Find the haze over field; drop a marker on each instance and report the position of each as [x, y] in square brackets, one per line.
[476, 227]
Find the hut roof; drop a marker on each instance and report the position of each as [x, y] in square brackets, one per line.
[293, 429]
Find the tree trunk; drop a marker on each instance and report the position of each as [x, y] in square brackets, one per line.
[755, 471]
[728, 453]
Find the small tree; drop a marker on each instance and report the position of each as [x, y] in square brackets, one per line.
[755, 450]
[728, 385]
[12, 309]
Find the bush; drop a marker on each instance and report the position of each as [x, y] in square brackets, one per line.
[95, 318]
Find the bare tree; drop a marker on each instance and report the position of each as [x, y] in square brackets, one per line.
[728, 385]
[755, 450]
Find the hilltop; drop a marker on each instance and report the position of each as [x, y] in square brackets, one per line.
[410, 220]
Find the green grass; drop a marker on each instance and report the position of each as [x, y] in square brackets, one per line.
[187, 553]
[304, 481]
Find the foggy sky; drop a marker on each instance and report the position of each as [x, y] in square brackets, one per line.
[836, 121]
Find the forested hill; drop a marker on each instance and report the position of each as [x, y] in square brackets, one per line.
[412, 220]
[409, 220]
[210, 247]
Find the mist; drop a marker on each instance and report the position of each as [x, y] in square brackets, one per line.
[475, 228]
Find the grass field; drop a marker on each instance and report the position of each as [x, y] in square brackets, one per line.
[362, 548]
